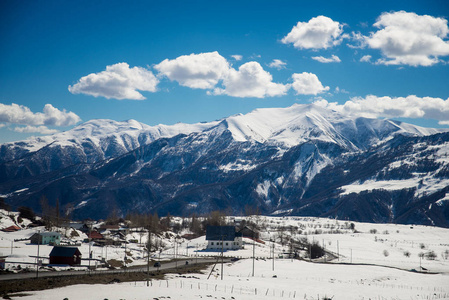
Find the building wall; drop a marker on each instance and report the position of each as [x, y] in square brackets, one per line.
[45, 239]
[59, 260]
[55, 239]
[227, 245]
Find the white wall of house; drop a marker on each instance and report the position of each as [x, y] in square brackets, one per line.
[227, 245]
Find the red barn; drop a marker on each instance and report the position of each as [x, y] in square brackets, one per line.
[65, 256]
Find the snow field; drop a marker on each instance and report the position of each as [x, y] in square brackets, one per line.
[372, 274]
[294, 279]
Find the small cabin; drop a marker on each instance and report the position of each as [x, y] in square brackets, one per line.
[46, 238]
[65, 256]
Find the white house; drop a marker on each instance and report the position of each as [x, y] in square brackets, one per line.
[223, 237]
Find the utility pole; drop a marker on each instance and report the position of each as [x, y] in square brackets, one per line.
[90, 239]
[125, 253]
[37, 262]
[176, 252]
[420, 267]
[196, 253]
[272, 245]
[254, 252]
[222, 257]
[291, 242]
[351, 256]
[338, 251]
[148, 257]
[310, 252]
[160, 250]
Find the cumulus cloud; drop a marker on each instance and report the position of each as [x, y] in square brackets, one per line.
[198, 71]
[409, 39]
[325, 60]
[407, 107]
[250, 80]
[366, 58]
[237, 57]
[36, 129]
[277, 64]
[213, 72]
[118, 81]
[51, 116]
[319, 33]
[307, 84]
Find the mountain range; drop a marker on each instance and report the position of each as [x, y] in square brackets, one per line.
[300, 160]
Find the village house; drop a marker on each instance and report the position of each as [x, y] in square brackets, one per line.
[46, 238]
[249, 233]
[223, 237]
[12, 228]
[65, 256]
[95, 235]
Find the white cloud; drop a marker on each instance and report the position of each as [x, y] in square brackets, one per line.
[307, 84]
[36, 129]
[19, 114]
[237, 57]
[2, 125]
[118, 81]
[319, 33]
[407, 107]
[409, 39]
[198, 71]
[326, 60]
[366, 58]
[339, 90]
[278, 64]
[251, 80]
[210, 70]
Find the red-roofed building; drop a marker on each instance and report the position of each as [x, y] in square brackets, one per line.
[94, 235]
[12, 228]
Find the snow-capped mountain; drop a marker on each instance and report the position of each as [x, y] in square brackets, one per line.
[302, 159]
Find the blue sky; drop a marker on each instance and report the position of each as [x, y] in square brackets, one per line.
[67, 62]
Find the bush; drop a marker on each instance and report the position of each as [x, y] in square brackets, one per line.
[373, 231]
[27, 213]
[386, 253]
[316, 250]
[406, 253]
[445, 254]
[431, 255]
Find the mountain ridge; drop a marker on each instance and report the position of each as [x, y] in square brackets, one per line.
[276, 159]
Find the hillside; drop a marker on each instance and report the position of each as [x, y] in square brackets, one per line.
[299, 160]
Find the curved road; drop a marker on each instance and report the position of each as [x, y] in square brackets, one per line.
[172, 265]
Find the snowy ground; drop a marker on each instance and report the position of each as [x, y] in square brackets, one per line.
[382, 256]
[294, 279]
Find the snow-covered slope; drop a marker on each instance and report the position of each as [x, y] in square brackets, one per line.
[303, 159]
[299, 123]
[101, 134]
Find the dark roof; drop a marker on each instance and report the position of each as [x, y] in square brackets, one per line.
[215, 233]
[64, 251]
